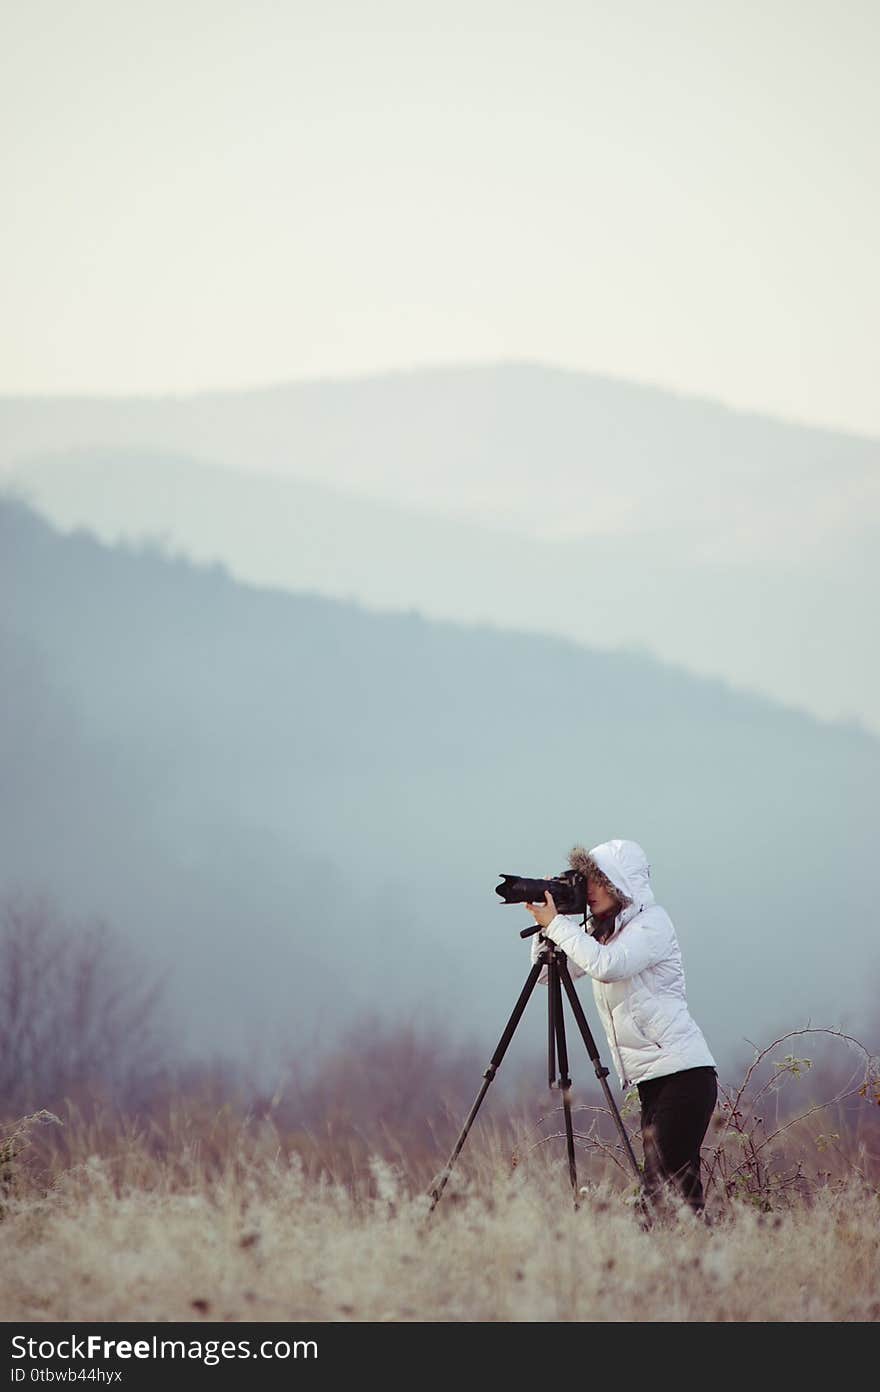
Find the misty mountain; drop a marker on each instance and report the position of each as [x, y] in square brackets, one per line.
[302, 807]
[614, 514]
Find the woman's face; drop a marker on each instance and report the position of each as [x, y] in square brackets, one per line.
[598, 898]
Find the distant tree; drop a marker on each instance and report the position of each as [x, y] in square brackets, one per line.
[78, 1015]
[384, 1078]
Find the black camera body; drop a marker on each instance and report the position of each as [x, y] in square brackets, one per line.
[569, 891]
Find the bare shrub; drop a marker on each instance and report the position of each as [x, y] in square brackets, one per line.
[384, 1089]
[792, 1126]
[15, 1143]
[768, 1146]
[77, 1014]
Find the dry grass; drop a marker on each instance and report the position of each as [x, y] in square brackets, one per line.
[260, 1237]
[272, 1244]
[219, 1212]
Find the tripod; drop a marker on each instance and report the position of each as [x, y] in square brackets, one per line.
[558, 976]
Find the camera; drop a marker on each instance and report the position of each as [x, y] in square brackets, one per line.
[569, 891]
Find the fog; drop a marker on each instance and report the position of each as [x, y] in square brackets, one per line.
[301, 807]
[429, 439]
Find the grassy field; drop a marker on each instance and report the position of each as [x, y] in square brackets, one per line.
[278, 1247]
[312, 1204]
[241, 1227]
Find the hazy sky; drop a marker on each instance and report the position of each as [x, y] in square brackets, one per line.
[207, 193]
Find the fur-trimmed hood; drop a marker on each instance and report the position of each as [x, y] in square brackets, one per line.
[624, 866]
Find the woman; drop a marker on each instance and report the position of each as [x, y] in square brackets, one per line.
[631, 952]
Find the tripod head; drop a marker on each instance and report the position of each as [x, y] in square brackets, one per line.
[536, 927]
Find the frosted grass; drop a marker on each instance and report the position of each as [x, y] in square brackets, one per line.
[270, 1243]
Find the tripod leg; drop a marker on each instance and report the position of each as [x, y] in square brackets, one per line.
[564, 1077]
[600, 1070]
[489, 1074]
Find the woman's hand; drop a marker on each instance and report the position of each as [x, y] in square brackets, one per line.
[545, 913]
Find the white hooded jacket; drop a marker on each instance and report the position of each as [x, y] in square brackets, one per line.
[638, 978]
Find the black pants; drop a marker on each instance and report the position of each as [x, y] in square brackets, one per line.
[676, 1111]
